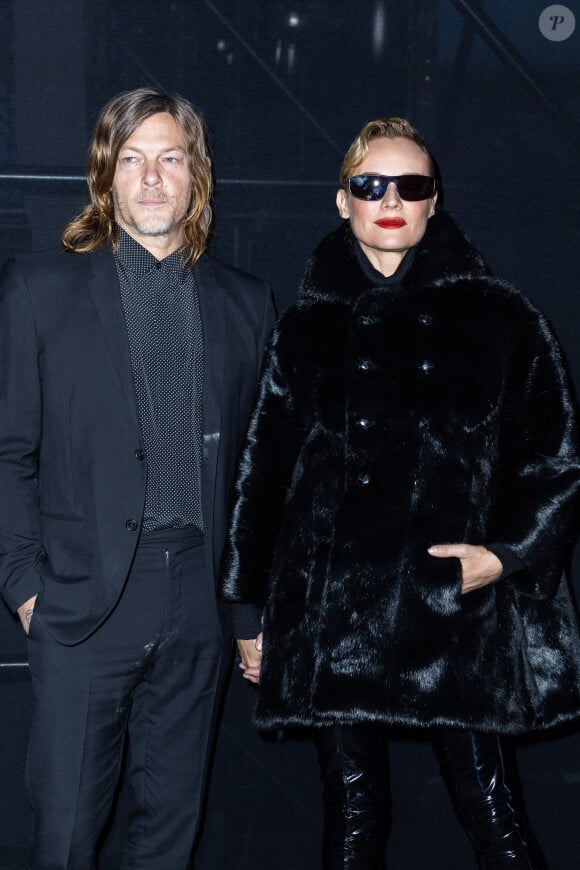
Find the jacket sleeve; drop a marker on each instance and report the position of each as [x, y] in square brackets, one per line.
[21, 550]
[264, 478]
[538, 494]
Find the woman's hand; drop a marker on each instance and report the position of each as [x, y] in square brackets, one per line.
[251, 653]
[479, 566]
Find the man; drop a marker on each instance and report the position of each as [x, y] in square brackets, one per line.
[128, 364]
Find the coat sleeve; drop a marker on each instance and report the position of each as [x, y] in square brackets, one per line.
[246, 617]
[537, 500]
[264, 479]
[21, 550]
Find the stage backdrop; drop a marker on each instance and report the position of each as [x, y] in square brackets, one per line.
[285, 87]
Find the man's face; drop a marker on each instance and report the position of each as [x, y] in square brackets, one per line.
[152, 184]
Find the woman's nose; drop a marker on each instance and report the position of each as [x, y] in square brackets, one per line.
[391, 197]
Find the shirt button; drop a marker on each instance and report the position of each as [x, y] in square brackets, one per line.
[425, 319]
[139, 455]
[132, 525]
[426, 366]
[363, 479]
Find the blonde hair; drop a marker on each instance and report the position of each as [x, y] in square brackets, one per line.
[117, 122]
[382, 128]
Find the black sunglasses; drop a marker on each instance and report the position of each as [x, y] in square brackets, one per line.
[373, 187]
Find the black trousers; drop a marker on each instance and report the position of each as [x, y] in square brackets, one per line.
[478, 770]
[148, 676]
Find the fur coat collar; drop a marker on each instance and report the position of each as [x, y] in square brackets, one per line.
[444, 254]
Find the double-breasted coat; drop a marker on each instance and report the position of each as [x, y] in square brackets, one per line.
[387, 421]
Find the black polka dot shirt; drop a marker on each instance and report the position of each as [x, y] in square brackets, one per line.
[161, 308]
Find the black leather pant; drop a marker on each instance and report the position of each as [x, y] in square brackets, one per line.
[479, 775]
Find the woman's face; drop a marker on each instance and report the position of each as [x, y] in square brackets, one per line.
[387, 228]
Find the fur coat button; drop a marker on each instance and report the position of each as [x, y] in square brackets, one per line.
[367, 320]
[425, 319]
[426, 366]
[364, 423]
[364, 479]
[364, 365]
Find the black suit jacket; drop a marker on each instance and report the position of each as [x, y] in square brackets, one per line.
[72, 485]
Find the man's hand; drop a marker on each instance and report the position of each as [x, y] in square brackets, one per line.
[479, 567]
[251, 653]
[25, 612]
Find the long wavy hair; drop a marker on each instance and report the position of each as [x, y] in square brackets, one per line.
[118, 120]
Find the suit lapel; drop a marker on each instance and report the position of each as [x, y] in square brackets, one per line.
[213, 318]
[104, 289]
[212, 305]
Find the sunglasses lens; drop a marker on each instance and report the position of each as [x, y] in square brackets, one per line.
[373, 187]
[367, 187]
[415, 187]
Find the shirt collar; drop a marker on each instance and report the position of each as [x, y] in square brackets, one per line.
[139, 261]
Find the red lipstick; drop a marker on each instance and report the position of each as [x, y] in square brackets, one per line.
[391, 223]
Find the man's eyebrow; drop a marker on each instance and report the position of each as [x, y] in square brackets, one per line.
[163, 150]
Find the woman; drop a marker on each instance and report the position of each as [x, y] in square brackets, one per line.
[404, 509]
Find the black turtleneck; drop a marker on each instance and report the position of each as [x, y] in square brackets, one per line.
[377, 278]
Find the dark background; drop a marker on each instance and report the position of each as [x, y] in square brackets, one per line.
[285, 87]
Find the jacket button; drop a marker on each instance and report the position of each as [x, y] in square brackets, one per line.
[139, 455]
[425, 319]
[364, 423]
[363, 479]
[426, 366]
[132, 525]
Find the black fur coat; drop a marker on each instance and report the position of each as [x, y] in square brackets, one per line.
[387, 422]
